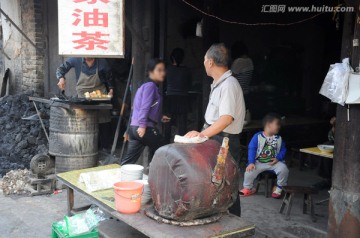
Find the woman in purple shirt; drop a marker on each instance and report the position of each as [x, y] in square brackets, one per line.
[146, 114]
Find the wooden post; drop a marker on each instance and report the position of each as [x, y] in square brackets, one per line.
[163, 8]
[210, 36]
[70, 200]
[344, 206]
[141, 23]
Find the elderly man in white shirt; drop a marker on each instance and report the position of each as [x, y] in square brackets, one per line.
[225, 112]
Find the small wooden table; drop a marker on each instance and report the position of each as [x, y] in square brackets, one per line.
[317, 151]
[228, 226]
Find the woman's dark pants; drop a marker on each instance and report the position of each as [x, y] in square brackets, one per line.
[136, 145]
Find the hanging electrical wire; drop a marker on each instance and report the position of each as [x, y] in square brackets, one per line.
[251, 24]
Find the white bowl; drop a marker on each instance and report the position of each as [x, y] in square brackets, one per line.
[146, 197]
[143, 181]
[132, 167]
[326, 148]
[129, 178]
[130, 172]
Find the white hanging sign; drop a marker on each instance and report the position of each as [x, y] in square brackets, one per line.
[91, 28]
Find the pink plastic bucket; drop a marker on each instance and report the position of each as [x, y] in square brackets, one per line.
[128, 196]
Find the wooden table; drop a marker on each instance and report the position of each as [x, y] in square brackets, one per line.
[316, 151]
[228, 225]
[312, 151]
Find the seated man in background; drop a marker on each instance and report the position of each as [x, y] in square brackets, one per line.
[331, 134]
[242, 66]
[326, 165]
[266, 153]
[178, 83]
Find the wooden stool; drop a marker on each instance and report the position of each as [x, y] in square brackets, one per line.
[264, 178]
[290, 192]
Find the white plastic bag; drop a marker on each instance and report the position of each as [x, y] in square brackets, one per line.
[83, 223]
[335, 86]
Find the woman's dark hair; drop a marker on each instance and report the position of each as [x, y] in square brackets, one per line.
[177, 56]
[238, 49]
[270, 117]
[152, 65]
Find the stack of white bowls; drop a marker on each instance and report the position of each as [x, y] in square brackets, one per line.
[146, 197]
[131, 172]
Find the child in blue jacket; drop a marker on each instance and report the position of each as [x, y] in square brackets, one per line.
[266, 152]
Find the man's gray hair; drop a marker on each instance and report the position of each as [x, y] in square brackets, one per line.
[219, 54]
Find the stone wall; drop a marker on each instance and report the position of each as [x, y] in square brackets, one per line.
[26, 63]
[12, 44]
[32, 58]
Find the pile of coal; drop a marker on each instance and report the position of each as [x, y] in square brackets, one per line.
[15, 182]
[20, 139]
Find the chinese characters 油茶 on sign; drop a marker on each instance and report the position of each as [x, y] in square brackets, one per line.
[91, 28]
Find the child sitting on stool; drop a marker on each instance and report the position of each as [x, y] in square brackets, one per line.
[266, 152]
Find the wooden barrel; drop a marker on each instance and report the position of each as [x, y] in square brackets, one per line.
[73, 138]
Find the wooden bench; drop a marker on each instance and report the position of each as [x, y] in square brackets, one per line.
[228, 226]
[308, 202]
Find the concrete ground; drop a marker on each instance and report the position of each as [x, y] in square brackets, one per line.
[32, 216]
[264, 212]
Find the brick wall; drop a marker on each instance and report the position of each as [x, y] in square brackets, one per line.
[33, 64]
